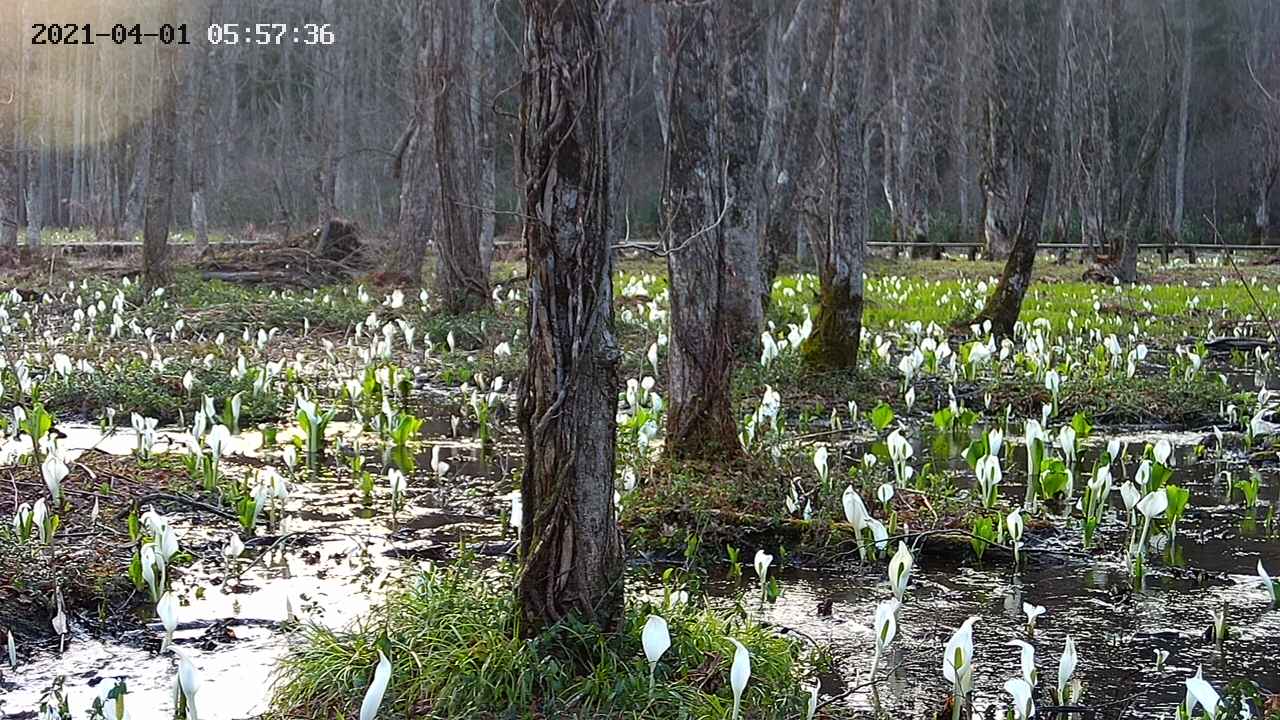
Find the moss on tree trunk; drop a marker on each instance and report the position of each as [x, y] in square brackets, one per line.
[837, 330]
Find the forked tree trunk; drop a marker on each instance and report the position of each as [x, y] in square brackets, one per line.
[837, 329]
[158, 212]
[571, 545]
[1005, 302]
[700, 420]
[1144, 174]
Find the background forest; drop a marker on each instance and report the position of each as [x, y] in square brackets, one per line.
[1163, 119]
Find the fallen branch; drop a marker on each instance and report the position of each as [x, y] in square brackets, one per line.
[183, 500]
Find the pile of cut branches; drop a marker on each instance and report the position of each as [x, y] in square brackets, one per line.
[334, 253]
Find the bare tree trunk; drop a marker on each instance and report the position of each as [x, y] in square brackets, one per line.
[789, 131]
[136, 196]
[995, 180]
[962, 42]
[158, 215]
[571, 545]
[1184, 105]
[837, 329]
[327, 104]
[1126, 270]
[661, 71]
[412, 164]
[742, 103]
[198, 151]
[482, 119]
[10, 197]
[34, 124]
[907, 135]
[1005, 302]
[462, 281]
[700, 421]
[619, 23]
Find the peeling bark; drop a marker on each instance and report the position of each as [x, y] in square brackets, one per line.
[571, 547]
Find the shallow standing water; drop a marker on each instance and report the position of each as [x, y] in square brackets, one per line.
[336, 556]
[328, 562]
[1088, 595]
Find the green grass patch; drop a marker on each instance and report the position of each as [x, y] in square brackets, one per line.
[455, 653]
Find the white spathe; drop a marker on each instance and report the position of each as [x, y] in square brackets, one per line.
[656, 639]
[377, 688]
[900, 570]
[739, 674]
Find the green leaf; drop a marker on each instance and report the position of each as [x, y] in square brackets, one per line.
[1080, 423]
[881, 416]
[1053, 478]
[1178, 498]
[977, 450]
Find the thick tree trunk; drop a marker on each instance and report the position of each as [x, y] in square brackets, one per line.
[1005, 302]
[700, 420]
[571, 546]
[837, 329]
[412, 164]
[742, 103]
[462, 281]
[158, 213]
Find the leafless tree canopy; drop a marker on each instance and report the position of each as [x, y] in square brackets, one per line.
[1169, 114]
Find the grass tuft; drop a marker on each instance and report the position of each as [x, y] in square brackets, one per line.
[456, 652]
